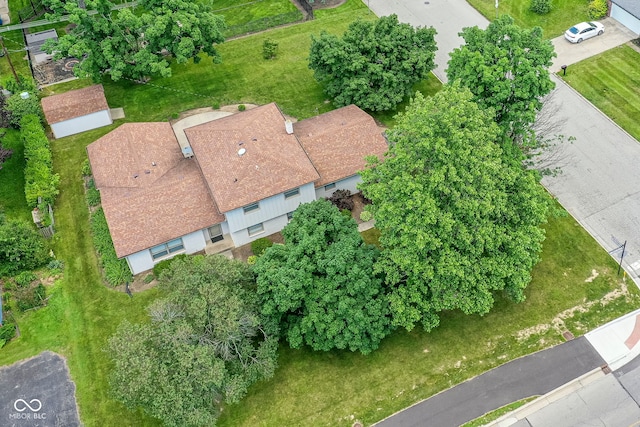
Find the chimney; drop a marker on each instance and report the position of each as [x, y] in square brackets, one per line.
[288, 126]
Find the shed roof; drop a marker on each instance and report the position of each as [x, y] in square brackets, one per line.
[75, 103]
[249, 156]
[337, 142]
[150, 193]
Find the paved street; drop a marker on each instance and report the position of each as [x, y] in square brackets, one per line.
[532, 375]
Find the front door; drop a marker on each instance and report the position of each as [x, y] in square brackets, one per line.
[215, 233]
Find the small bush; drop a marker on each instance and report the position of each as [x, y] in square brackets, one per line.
[242, 107]
[269, 49]
[165, 264]
[31, 297]
[22, 248]
[7, 331]
[93, 197]
[26, 84]
[148, 279]
[9, 286]
[56, 266]
[25, 278]
[541, 7]
[216, 106]
[597, 9]
[19, 108]
[260, 245]
[346, 213]
[86, 168]
[342, 199]
[251, 259]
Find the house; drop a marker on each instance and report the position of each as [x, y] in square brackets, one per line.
[76, 111]
[240, 178]
[627, 12]
[35, 42]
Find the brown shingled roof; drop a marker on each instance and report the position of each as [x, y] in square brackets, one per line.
[75, 103]
[164, 202]
[337, 142]
[272, 163]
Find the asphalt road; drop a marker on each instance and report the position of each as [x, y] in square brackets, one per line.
[532, 375]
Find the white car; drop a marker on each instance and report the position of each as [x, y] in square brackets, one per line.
[583, 31]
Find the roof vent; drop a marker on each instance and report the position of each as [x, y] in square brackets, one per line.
[288, 126]
[241, 151]
[153, 163]
[187, 152]
[147, 172]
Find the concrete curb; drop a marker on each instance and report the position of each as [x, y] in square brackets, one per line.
[545, 400]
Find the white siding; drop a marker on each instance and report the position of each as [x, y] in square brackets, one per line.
[349, 183]
[81, 124]
[271, 226]
[270, 208]
[625, 18]
[142, 261]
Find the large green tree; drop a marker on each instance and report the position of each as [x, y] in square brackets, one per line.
[21, 247]
[459, 220]
[506, 69]
[136, 43]
[375, 64]
[205, 345]
[320, 284]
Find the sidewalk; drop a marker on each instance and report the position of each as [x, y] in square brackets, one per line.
[4, 12]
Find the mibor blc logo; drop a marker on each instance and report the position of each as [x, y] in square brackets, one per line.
[28, 410]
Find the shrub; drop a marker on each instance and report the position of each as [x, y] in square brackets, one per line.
[86, 168]
[342, 199]
[597, 9]
[269, 49]
[93, 197]
[541, 7]
[148, 279]
[216, 106]
[21, 247]
[242, 107]
[7, 331]
[25, 278]
[40, 181]
[251, 259]
[116, 271]
[346, 213]
[26, 84]
[165, 264]
[31, 297]
[19, 108]
[260, 245]
[56, 265]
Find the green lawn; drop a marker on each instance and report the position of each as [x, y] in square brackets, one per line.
[611, 81]
[241, 12]
[12, 199]
[564, 14]
[309, 388]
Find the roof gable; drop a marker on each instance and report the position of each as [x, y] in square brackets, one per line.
[249, 156]
[75, 103]
[337, 142]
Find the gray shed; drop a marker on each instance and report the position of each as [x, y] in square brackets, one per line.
[35, 42]
[627, 12]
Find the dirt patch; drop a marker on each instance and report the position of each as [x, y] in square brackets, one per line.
[594, 274]
[244, 252]
[359, 203]
[140, 283]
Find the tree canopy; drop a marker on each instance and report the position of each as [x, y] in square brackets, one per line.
[320, 284]
[375, 64]
[206, 344]
[135, 44]
[459, 220]
[506, 69]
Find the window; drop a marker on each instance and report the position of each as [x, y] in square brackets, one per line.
[289, 216]
[166, 248]
[255, 229]
[291, 193]
[250, 208]
[330, 186]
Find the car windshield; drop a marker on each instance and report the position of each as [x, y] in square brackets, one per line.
[573, 30]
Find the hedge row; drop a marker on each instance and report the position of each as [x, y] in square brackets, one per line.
[40, 181]
[116, 271]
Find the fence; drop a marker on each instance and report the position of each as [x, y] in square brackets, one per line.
[35, 8]
[263, 24]
[48, 231]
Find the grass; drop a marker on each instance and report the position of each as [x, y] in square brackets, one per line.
[494, 415]
[564, 14]
[310, 388]
[12, 198]
[334, 388]
[236, 13]
[610, 81]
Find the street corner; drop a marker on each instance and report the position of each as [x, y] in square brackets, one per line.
[618, 342]
[38, 392]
